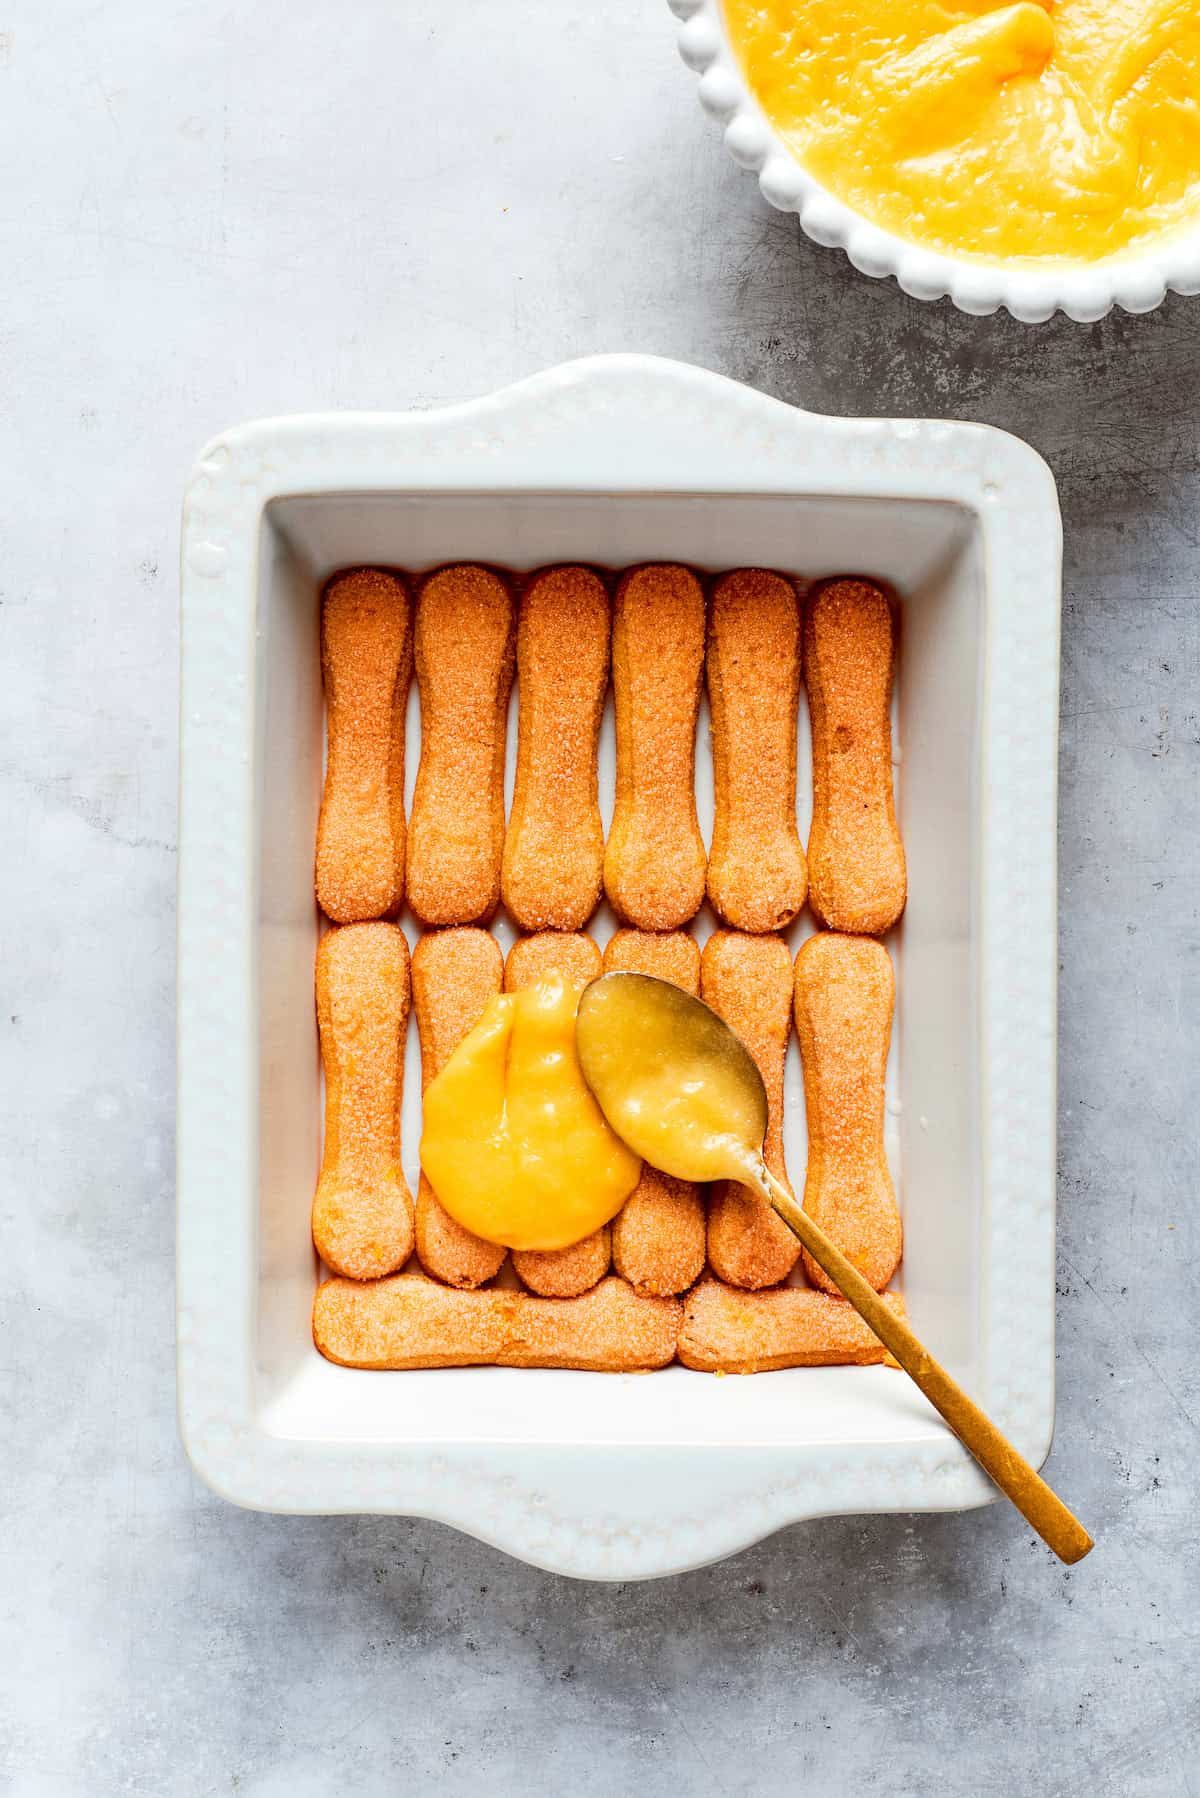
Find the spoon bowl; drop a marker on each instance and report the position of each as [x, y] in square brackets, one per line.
[671, 1077]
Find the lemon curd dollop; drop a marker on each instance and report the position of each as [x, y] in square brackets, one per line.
[1065, 131]
[512, 1142]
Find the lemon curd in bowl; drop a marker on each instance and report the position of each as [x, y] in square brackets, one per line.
[1064, 132]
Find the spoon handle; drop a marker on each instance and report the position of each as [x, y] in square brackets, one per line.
[1041, 1508]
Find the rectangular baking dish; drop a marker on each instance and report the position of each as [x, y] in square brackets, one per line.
[618, 460]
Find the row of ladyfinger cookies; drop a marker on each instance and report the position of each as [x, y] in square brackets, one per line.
[365, 1225]
[410, 1321]
[658, 635]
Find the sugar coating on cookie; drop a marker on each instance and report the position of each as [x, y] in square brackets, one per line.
[748, 981]
[729, 1331]
[464, 638]
[757, 873]
[672, 955]
[366, 667]
[654, 863]
[554, 846]
[454, 975]
[572, 954]
[409, 1321]
[856, 866]
[658, 1237]
[559, 1273]
[362, 1214]
[844, 997]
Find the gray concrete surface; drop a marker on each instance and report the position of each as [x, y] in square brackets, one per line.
[210, 214]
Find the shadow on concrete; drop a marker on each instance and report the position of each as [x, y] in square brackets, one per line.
[1114, 406]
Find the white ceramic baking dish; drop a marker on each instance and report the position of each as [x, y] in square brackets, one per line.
[615, 461]
[1084, 291]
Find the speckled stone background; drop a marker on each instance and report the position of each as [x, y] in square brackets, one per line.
[215, 213]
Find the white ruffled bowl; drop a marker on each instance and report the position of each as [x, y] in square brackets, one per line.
[1084, 291]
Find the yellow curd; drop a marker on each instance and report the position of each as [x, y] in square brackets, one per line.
[513, 1143]
[1068, 130]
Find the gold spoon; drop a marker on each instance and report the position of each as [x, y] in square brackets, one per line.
[686, 1095]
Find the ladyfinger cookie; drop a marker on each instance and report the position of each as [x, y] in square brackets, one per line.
[463, 637]
[856, 872]
[409, 1321]
[748, 981]
[454, 974]
[757, 875]
[571, 953]
[658, 1235]
[558, 1273]
[654, 863]
[366, 665]
[727, 1331]
[554, 847]
[362, 1215]
[845, 991]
